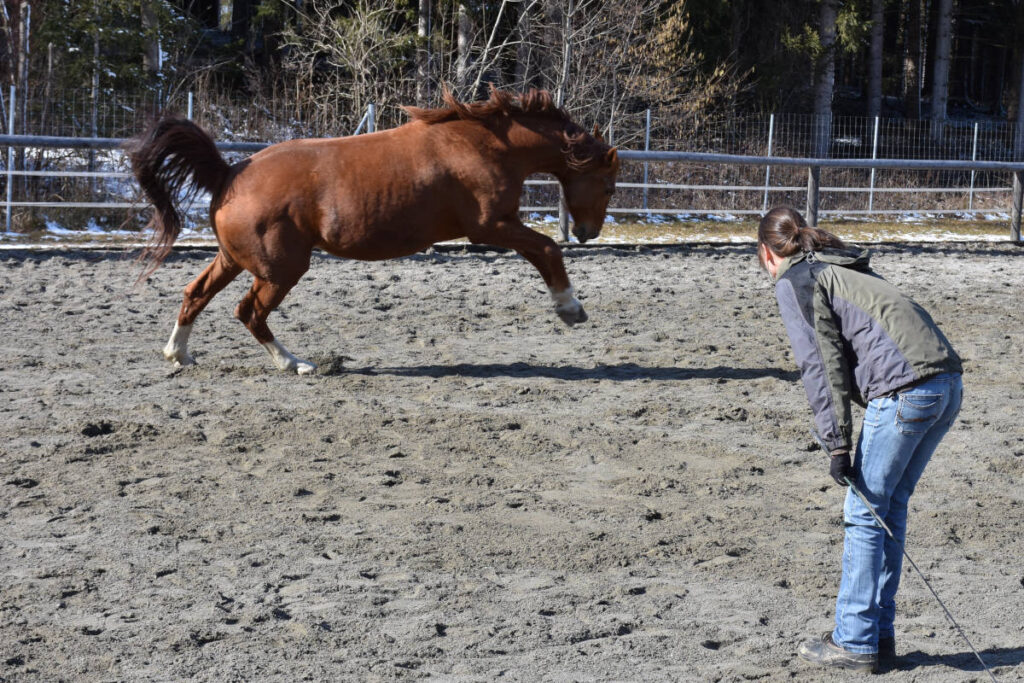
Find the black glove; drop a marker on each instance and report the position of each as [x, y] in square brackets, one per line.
[840, 467]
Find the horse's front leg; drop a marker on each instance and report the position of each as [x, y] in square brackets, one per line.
[546, 256]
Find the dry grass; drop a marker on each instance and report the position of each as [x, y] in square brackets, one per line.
[619, 232]
[923, 230]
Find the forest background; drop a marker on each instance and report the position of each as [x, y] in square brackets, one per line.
[269, 70]
[696, 60]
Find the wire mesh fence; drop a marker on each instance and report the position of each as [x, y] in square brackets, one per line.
[848, 191]
[51, 178]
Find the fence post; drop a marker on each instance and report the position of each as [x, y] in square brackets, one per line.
[768, 169]
[362, 122]
[647, 148]
[10, 157]
[190, 105]
[974, 157]
[371, 117]
[813, 180]
[874, 155]
[1018, 196]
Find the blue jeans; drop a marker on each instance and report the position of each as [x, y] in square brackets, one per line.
[899, 435]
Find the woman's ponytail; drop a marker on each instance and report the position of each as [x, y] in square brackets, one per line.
[785, 232]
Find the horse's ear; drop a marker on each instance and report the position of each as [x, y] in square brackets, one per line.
[597, 133]
[612, 157]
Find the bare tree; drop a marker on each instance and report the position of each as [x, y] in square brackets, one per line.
[24, 29]
[526, 20]
[342, 63]
[151, 55]
[423, 53]
[491, 51]
[824, 78]
[875, 58]
[1018, 141]
[912, 60]
[599, 50]
[940, 66]
[464, 43]
[1018, 24]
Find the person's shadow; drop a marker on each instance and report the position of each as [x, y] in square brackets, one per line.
[624, 372]
[963, 661]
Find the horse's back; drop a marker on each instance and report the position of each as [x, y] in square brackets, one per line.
[372, 196]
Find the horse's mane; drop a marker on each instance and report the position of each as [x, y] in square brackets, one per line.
[581, 149]
[500, 103]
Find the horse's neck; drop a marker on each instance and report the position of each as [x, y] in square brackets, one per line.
[536, 148]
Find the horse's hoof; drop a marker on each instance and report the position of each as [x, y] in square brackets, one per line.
[572, 316]
[298, 366]
[179, 359]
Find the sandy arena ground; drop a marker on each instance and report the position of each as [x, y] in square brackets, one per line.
[468, 490]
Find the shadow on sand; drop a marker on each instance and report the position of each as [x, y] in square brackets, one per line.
[626, 372]
[963, 661]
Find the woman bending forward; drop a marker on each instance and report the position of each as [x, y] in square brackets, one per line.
[856, 338]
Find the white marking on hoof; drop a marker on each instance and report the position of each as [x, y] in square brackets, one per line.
[568, 307]
[284, 360]
[176, 350]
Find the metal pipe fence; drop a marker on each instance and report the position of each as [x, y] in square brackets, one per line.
[690, 167]
[814, 168]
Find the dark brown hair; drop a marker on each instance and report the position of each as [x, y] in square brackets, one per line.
[172, 161]
[785, 232]
[500, 103]
[582, 150]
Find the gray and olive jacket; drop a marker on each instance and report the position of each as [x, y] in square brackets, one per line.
[854, 336]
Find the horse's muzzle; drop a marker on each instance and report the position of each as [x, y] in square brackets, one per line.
[583, 233]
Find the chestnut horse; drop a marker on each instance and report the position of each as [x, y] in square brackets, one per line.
[451, 172]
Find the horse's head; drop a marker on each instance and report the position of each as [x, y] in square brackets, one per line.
[589, 183]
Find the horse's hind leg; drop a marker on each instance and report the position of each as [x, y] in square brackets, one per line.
[197, 295]
[262, 298]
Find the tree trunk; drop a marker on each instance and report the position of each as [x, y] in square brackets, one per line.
[940, 66]
[464, 43]
[241, 24]
[738, 21]
[423, 75]
[824, 79]
[548, 59]
[151, 53]
[1018, 137]
[875, 58]
[47, 90]
[912, 60]
[563, 79]
[95, 94]
[24, 18]
[23, 56]
[525, 57]
[7, 48]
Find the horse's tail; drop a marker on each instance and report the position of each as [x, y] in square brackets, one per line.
[174, 156]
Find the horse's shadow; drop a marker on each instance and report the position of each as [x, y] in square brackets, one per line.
[962, 661]
[624, 372]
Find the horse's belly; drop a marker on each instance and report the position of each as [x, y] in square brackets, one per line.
[375, 245]
[376, 237]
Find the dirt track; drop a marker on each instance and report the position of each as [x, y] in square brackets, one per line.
[468, 490]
